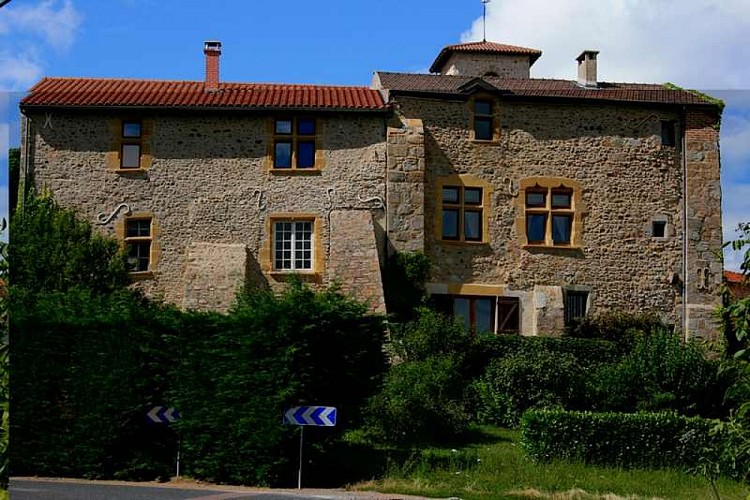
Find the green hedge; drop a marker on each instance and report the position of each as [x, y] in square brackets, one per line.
[649, 440]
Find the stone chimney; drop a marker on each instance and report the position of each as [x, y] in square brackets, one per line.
[212, 50]
[587, 69]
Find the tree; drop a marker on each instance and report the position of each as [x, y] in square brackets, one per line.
[54, 249]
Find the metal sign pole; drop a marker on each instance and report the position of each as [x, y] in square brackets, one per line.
[299, 475]
[179, 445]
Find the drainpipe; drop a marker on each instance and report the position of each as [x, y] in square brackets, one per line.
[685, 273]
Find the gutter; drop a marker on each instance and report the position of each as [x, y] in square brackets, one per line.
[685, 274]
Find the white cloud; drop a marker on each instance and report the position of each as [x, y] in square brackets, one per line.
[30, 31]
[694, 43]
[18, 71]
[54, 21]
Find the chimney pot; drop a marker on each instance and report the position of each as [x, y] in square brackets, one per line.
[212, 50]
[587, 69]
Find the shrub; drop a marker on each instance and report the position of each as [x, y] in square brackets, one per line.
[661, 373]
[623, 328]
[420, 402]
[589, 353]
[430, 334]
[403, 282]
[618, 439]
[525, 380]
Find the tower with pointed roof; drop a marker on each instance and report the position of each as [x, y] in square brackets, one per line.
[485, 59]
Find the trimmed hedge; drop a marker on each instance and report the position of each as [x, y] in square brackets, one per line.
[648, 440]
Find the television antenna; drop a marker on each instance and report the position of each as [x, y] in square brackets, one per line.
[484, 19]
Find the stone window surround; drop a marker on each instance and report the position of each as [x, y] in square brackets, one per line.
[495, 118]
[271, 150]
[267, 247]
[669, 229]
[579, 288]
[464, 181]
[114, 156]
[577, 210]
[155, 253]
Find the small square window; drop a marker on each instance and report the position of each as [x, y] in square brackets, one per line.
[561, 199]
[536, 199]
[659, 229]
[473, 196]
[131, 130]
[306, 126]
[575, 305]
[283, 126]
[450, 195]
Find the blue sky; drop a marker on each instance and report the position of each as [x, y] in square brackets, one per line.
[694, 43]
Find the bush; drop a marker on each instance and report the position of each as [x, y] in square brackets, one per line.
[421, 402]
[526, 380]
[619, 439]
[430, 334]
[589, 353]
[662, 373]
[623, 328]
[239, 372]
[403, 283]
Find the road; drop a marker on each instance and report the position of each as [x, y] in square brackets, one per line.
[53, 489]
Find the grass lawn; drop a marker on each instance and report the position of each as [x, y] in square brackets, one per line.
[493, 466]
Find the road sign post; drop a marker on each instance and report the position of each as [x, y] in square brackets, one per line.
[319, 416]
[163, 415]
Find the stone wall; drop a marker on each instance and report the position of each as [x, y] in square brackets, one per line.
[475, 64]
[209, 185]
[704, 269]
[627, 177]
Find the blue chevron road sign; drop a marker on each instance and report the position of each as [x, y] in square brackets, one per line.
[324, 416]
[162, 415]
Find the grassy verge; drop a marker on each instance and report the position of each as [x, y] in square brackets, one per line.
[492, 466]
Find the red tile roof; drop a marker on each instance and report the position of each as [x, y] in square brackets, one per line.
[91, 92]
[483, 47]
[541, 88]
[733, 277]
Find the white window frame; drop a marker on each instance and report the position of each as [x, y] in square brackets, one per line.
[295, 236]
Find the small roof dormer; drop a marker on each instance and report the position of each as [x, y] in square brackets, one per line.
[485, 59]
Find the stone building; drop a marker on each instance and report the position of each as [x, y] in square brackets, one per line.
[536, 200]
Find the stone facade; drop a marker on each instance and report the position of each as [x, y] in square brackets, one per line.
[210, 189]
[503, 66]
[644, 209]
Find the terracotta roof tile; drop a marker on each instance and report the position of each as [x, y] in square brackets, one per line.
[179, 94]
[733, 277]
[541, 88]
[483, 47]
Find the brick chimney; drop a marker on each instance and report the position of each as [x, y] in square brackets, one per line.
[212, 50]
[587, 69]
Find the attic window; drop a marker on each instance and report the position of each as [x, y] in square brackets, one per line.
[130, 152]
[483, 120]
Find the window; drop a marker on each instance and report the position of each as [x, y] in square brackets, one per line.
[130, 148]
[138, 242]
[462, 213]
[294, 143]
[293, 245]
[481, 314]
[575, 305]
[658, 228]
[549, 215]
[483, 120]
[668, 134]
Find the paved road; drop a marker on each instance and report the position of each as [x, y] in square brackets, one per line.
[41, 489]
